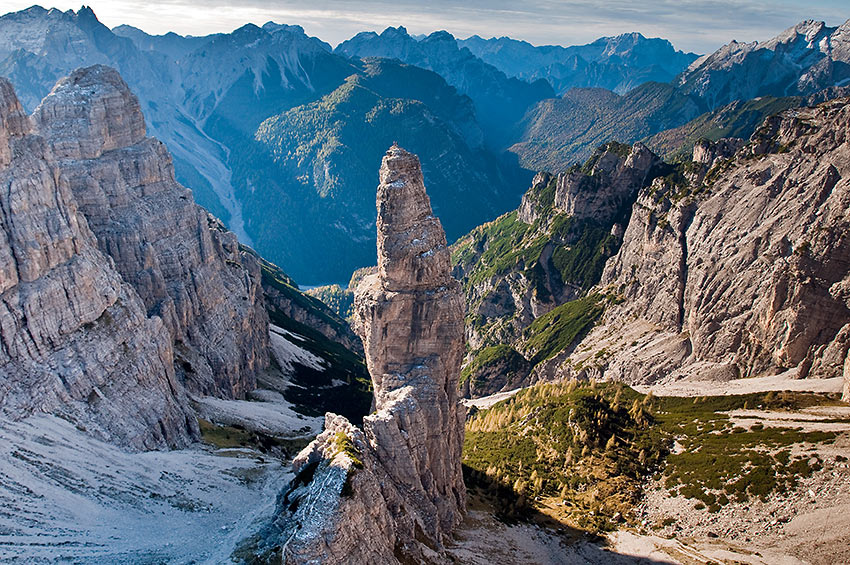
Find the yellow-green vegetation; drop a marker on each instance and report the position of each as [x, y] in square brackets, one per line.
[738, 119]
[344, 444]
[555, 331]
[338, 299]
[582, 262]
[224, 437]
[581, 453]
[502, 246]
[576, 452]
[228, 437]
[719, 461]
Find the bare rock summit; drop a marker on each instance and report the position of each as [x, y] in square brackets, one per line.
[75, 340]
[393, 491]
[186, 267]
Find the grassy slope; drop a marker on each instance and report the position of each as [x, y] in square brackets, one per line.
[550, 449]
[738, 119]
[562, 131]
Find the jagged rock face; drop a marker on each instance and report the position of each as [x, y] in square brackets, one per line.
[803, 59]
[525, 264]
[410, 316]
[407, 492]
[187, 269]
[75, 338]
[602, 187]
[657, 254]
[617, 177]
[707, 153]
[752, 277]
[846, 396]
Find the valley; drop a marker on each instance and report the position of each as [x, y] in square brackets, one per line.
[597, 309]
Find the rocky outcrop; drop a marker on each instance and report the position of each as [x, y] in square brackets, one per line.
[75, 339]
[600, 188]
[410, 316]
[187, 268]
[744, 273]
[551, 251]
[394, 491]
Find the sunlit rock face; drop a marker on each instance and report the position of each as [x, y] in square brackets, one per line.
[743, 270]
[410, 315]
[393, 491]
[186, 267]
[75, 339]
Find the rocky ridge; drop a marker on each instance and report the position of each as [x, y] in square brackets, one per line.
[186, 267]
[500, 101]
[76, 340]
[742, 270]
[547, 253]
[393, 491]
[803, 59]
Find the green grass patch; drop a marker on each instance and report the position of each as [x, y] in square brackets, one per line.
[557, 330]
[584, 452]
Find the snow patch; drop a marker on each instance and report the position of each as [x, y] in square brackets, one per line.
[287, 352]
[67, 497]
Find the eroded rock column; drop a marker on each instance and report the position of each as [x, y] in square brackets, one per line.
[392, 492]
[410, 316]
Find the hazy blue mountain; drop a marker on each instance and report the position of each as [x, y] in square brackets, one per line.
[310, 174]
[500, 101]
[617, 63]
[560, 132]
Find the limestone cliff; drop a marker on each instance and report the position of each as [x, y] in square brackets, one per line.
[600, 188]
[75, 339]
[393, 491]
[187, 268]
[744, 269]
[410, 316]
[551, 251]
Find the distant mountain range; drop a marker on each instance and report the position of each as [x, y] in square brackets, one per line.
[808, 60]
[617, 63]
[275, 131]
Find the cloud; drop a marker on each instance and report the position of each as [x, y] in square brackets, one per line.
[693, 25]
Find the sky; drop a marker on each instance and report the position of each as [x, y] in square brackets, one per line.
[700, 26]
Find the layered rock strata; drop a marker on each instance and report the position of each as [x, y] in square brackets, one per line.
[187, 268]
[601, 188]
[75, 339]
[743, 273]
[393, 491]
[410, 316]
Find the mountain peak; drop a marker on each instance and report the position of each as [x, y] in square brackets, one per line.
[391, 31]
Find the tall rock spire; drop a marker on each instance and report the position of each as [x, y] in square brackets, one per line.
[410, 316]
[393, 491]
